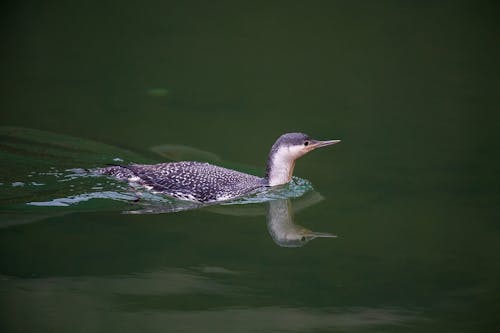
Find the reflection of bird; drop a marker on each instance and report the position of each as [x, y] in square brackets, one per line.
[282, 228]
[203, 182]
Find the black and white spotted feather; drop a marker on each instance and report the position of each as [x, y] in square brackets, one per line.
[195, 181]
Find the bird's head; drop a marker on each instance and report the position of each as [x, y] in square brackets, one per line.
[285, 151]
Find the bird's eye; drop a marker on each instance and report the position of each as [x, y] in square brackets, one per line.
[306, 143]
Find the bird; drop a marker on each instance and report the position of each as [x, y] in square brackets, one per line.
[205, 183]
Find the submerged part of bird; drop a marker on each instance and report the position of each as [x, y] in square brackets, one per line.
[298, 189]
[205, 183]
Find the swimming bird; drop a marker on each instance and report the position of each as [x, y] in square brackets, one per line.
[204, 182]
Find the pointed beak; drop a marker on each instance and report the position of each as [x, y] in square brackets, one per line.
[317, 144]
[322, 234]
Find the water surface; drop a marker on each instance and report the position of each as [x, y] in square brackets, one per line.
[411, 192]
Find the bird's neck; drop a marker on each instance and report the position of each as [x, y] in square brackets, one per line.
[279, 167]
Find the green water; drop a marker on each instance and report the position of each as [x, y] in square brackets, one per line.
[411, 193]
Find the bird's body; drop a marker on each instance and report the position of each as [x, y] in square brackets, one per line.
[204, 182]
[193, 181]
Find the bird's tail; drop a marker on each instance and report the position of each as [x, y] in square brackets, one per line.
[116, 170]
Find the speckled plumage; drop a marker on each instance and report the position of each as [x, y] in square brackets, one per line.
[203, 182]
[193, 181]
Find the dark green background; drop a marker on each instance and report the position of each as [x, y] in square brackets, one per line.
[412, 89]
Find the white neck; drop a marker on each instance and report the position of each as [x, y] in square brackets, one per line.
[280, 166]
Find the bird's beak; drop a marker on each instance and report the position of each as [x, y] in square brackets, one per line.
[315, 234]
[318, 144]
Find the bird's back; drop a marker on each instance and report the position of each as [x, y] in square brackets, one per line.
[194, 181]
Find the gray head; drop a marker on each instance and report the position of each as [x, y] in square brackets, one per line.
[285, 151]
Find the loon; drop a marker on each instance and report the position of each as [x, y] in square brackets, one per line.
[204, 182]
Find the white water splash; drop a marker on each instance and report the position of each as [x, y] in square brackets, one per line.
[72, 200]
